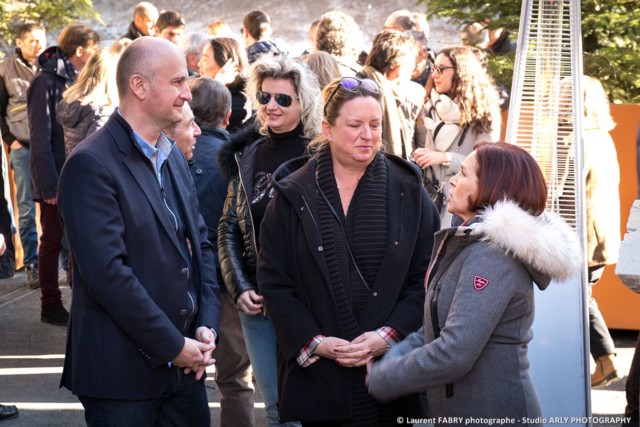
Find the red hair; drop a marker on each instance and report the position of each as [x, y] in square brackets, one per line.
[508, 172]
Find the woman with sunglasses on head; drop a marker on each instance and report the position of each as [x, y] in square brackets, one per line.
[225, 59]
[341, 275]
[288, 114]
[463, 108]
[470, 356]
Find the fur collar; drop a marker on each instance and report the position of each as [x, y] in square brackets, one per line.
[237, 142]
[545, 244]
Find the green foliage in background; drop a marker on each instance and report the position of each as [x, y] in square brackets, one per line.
[610, 31]
[53, 13]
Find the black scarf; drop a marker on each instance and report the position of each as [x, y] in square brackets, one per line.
[365, 228]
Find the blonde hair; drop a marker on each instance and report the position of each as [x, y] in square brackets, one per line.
[220, 28]
[597, 114]
[119, 46]
[304, 83]
[96, 82]
[595, 104]
[324, 66]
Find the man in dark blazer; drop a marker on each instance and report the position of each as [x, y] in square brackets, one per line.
[145, 303]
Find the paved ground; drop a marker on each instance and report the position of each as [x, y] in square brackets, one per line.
[31, 356]
[31, 359]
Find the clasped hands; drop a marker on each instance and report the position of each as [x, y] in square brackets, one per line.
[196, 354]
[352, 353]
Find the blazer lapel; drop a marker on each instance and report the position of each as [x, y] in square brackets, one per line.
[141, 171]
[151, 189]
[190, 221]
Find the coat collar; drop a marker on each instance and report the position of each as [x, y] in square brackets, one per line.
[545, 244]
[296, 181]
[144, 175]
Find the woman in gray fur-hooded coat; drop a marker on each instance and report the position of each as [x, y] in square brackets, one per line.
[471, 353]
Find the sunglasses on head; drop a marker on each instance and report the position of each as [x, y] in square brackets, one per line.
[351, 84]
[281, 99]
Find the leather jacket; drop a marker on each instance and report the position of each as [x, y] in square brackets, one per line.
[237, 248]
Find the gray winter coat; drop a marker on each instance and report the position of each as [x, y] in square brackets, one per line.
[471, 353]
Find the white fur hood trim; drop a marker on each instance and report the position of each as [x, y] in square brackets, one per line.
[545, 243]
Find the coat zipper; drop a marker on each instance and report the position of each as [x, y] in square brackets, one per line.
[246, 195]
[435, 322]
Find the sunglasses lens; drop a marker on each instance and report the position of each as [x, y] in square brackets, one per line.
[349, 83]
[282, 99]
[263, 97]
[370, 85]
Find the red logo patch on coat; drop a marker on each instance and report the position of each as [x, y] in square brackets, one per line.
[479, 283]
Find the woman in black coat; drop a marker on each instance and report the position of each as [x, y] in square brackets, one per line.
[288, 115]
[344, 248]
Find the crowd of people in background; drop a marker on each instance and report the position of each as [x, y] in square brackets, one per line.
[215, 196]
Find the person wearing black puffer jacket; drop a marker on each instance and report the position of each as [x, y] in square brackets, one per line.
[286, 97]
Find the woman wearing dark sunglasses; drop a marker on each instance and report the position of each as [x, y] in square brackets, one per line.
[288, 114]
[463, 108]
[344, 248]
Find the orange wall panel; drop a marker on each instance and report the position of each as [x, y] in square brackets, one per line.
[619, 305]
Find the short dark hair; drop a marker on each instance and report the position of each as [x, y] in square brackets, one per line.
[24, 28]
[388, 48]
[74, 36]
[169, 18]
[257, 23]
[508, 172]
[210, 100]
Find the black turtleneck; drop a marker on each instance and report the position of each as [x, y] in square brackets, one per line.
[279, 148]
